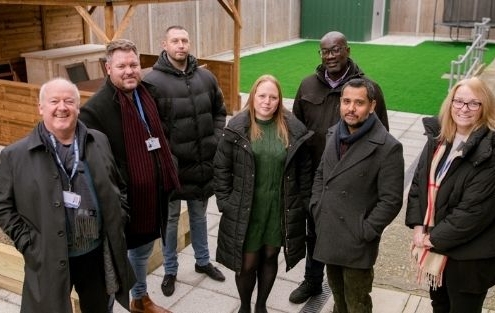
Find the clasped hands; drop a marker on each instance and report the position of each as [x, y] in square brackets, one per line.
[420, 238]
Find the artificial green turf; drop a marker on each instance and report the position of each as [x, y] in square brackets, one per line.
[410, 77]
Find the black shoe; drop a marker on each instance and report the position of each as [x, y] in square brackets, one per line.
[213, 272]
[168, 284]
[305, 290]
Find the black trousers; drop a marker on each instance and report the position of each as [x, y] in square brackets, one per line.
[314, 269]
[464, 286]
[87, 276]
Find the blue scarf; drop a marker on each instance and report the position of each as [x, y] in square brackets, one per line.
[344, 139]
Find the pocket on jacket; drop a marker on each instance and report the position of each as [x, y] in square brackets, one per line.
[32, 252]
[311, 98]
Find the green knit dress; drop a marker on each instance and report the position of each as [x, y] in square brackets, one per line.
[265, 220]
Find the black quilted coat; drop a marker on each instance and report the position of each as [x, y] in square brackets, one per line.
[234, 178]
[193, 113]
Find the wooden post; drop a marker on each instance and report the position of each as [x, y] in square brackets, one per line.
[109, 23]
[237, 57]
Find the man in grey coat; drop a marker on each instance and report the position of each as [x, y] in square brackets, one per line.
[63, 204]
[357, 192]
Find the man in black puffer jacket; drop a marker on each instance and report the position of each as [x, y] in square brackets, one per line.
[191, 107]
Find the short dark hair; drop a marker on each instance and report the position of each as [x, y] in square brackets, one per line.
[174, 27]
[362, 82]
[120, 44]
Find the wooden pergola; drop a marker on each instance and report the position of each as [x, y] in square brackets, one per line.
[85, 8]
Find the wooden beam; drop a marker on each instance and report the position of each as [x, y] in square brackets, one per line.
[231, 10]
[91, 10]
[237, 51]
[109, 24]
[96, 29]
[126, 20]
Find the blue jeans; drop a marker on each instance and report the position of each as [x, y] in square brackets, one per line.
[138, 257]
[199, 234]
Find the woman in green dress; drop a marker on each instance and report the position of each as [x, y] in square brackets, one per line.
[262, 185]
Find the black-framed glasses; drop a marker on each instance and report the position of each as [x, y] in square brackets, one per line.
[471, 105]
[335, 51]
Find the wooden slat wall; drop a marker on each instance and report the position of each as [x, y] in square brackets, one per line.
[27, 28]
[415, 17]
[63, 27]
[210, 33]
[20, 29]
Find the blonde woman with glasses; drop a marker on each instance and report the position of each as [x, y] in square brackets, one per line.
[451, 206]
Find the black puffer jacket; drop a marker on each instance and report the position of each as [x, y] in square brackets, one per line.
[192, 111]
[234, 190]
[465, 203]
[317, 105]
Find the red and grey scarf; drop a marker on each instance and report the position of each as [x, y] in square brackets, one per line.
[430, 265]
[145, 167]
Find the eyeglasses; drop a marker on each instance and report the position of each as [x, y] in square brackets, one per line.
[471, 105]
[335, 51]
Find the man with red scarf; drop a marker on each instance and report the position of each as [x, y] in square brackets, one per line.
[124, 110]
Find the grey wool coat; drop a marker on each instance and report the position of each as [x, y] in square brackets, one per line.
[353, 199]
[32, 214]
[234, 189]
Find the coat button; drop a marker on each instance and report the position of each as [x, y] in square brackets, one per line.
[63, 263]
[57, 204]
[60, 233]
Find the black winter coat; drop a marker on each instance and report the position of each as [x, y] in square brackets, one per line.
[32, 214]
[355, 197]
[317, 105]
[191, 106]
[234, 189]
[465, 203]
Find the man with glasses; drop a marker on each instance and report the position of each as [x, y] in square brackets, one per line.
[317, 104]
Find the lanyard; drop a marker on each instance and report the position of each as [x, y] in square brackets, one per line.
[59, 162]
[141, 112]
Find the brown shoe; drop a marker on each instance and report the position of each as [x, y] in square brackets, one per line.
[145, 305]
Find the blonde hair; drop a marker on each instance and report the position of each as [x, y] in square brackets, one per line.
[482, 93]
[282, 129]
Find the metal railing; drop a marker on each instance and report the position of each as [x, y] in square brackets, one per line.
[466, 65]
